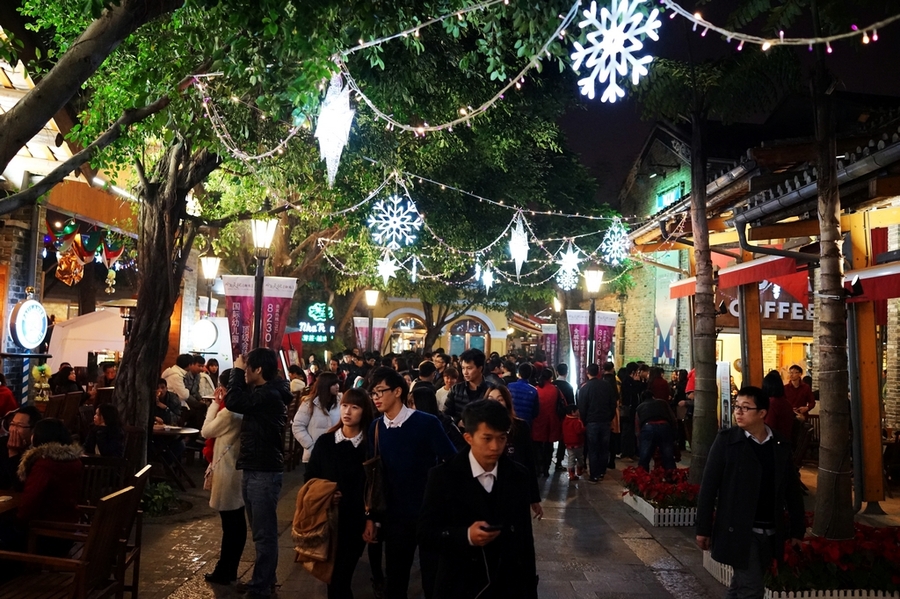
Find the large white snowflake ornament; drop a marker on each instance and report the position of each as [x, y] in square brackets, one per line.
[612, 46]
[394, 222]
[333, 128]
[616, 246]
[518, 243]
[568, 274]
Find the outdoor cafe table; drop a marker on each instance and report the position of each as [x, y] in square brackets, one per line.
[163, 454]
[7, 505]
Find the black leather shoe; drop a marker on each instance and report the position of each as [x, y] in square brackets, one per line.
[217, 579]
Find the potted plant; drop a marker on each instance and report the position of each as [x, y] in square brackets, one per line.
[664, 497]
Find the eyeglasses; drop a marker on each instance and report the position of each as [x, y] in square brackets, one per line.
[379, 392]
[742, 409]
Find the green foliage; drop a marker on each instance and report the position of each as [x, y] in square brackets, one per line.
[158, 499]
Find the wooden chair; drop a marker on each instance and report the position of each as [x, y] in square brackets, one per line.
[102, 475]
[55, 406]
[69, 412]
[88, 576]
[104, 395]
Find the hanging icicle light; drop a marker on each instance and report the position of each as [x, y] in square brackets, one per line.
[518, 244]
[333, 128]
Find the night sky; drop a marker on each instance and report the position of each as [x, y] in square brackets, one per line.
[609, 137]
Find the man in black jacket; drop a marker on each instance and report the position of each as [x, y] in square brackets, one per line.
[256, 391]
[749, 481]
[597, 404]
[476, 514]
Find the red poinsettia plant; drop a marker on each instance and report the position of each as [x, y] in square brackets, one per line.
[661, 488]
[870, 560]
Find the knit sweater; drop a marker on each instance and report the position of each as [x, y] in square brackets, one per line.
[407, 453]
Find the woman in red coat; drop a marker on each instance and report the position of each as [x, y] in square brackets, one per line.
[51, 471]
[546, 429]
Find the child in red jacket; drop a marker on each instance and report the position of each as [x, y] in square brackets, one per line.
[573, 438]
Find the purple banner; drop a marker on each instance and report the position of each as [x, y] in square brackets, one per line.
[361, 328]
[550, 342]
[604, 331]
[276, 305]
[277, 295]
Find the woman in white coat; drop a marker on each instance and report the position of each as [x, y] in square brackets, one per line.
[225, 427]
[319, 411]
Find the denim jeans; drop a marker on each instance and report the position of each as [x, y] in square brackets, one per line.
[598, 447]
[261, 491]
[657, 435]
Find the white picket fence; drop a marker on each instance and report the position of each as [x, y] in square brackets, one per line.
[661, 517]
[723, 574]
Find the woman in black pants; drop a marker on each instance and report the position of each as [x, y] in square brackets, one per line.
[338, 456]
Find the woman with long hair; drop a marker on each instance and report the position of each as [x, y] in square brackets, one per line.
[546, 429]
[780, 416]
[212, 369]
[318, 412]
[65, 382]
[338, 456]
[224, 428]
[106, 437]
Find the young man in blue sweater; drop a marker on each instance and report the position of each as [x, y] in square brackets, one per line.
[410, 443]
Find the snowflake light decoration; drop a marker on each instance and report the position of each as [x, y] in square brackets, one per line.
[518, 243]
[615, 245]
[387, 267]
[487, 279]
[612, 46]
[394, 222]
[568, 274]
[333, 128]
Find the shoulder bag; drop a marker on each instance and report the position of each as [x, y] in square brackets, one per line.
[375, 499]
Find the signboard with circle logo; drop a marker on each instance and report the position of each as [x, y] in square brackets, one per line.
[28, 323]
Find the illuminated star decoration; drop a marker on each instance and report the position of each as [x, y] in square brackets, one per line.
[487, 279]
[568, 274]
[616, 245]
[518, 243]
[387, 267]
[612, 45]
[394, 222]
[333, 128]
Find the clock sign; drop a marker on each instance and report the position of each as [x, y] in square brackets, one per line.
[28, 323]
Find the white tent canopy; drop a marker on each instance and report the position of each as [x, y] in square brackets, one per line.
[73, 339]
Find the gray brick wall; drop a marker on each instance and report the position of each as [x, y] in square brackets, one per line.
[892, 395]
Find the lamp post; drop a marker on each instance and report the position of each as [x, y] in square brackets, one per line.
[593, 279]
[210, 266]
[263, 229]
[371, 302]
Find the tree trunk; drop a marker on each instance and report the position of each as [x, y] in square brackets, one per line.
[705, 403]
[345, 326]
[76, 66]
[164, 243]
[834, 500]
[432, 327]
[564, 339]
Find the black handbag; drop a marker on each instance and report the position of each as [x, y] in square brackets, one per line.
[375, 499]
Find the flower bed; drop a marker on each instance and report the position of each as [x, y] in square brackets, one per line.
[664, 498]
[867, 565]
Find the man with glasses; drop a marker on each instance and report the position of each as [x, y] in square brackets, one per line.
[410, 443]
[21, 426]
[749, 481]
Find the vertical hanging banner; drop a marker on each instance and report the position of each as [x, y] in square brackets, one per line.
[578, 332]
[379, 327]
[277, 295]
[604, 332]
[550, 343]
[239, 311]
[361, 328]
[723, 378]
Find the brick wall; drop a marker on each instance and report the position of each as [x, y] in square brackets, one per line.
[641, 200]
[892, 395]
[770, 353]
[16, 240]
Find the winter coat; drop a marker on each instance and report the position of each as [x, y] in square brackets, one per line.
[206, 387]
[573, 431]
[546, 427]
[730, 489]
[175, 382]
[314, 528]
[309, 425]
[265, 415]
[105, 441]
[52, 476]
[224, 426]
[597, 400]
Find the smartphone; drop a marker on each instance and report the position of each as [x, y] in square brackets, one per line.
[492, 527]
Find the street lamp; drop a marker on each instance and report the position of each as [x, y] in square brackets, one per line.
[263, 230]
[210, 266]
[371, 302]
[593, 279]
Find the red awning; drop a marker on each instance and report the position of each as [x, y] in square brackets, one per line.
[878, 282]
[683, 288]
[754, 271]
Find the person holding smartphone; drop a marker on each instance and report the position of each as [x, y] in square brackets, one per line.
[477, 516]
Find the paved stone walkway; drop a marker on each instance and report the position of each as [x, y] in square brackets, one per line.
[589, 545]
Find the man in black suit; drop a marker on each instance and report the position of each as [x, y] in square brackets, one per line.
[476, 515]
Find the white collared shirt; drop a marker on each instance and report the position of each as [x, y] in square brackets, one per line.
[766, 440]
[339, 437]
[485, 477]
[399, 419]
